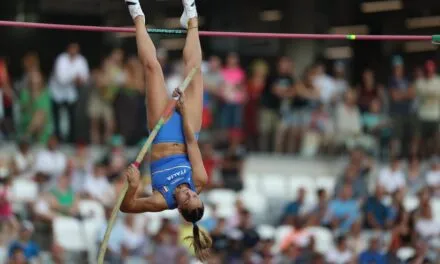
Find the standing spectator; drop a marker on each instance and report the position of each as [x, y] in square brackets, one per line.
[353, 177]
[341, 254]
[31, 63]
[340, 82]
[6, 101]
[36, 115]
[70, 73]
[232, 165]
[372, 254]
[50, 162]
[348, 120]
[433, 177]
[414, 178]
[343, 211]
[392, 178]
[325, 84]
[233, 93]
[429, 105]
[254, 87]
[210, 162]
[402, 104]
[24, 242]
[368, 90]
[377, 214]
[213, 80]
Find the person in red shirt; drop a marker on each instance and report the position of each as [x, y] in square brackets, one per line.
[6, 99]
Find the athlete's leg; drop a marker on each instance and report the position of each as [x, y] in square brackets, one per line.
[156, 94]
[192, 57]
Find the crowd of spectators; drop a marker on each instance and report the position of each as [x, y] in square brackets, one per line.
[261, 108]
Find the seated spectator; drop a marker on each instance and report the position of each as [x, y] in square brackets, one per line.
[219, 236]
[319, 131]
[377, 124]
[299, 236]
[82, 167]
[17, 257]
[343, 211]
[116, 159]
[134, 243]
[372, 254]
[246, 226]
[35, 109]
[98, 187]
[414, 179]
[6, 102]
[8, 221]
[369, 90]
[320, 211]
[24, 243]
[426, 226]
[23, 161]
[293, 208]
[50, 162]
[356, 242]
[392, 178]
[210, 162]
[358, 184]
[64, 201]
[377, 215]
[433, 176]
[115, 243]
[341, 254]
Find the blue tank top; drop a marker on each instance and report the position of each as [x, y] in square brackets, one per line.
[170, 172]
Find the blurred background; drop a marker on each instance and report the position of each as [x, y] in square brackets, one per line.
[323, 152]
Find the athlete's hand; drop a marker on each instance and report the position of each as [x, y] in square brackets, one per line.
[133, 176]
[180, 106]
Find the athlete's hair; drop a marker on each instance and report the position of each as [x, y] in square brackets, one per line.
[200, 240]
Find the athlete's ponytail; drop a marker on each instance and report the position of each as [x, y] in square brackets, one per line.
[200, 240]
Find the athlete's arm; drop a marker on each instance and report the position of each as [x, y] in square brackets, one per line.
[132, 203]
[192, 147]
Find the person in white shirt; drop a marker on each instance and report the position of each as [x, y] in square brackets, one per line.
[433, 176]
[392, 178]
[98, 187]
[325, 84]
[426, 226]
[23, 162]
[50, 162]
[71, 71]
[341, 254]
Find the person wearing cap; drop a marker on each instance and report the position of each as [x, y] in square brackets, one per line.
[24, 242]
[402, 95]
[428, 92]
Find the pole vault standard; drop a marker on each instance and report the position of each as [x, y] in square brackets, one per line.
[434, 38]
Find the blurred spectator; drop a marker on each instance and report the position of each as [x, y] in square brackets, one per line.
[340, 82]
[116, 159]
[283, 85]
[17, 257]
[348, 119]
[414, 177]
[293, 208]
[63, 199]
[82, 167]
[71, 72]
[433, 176]
[402, 104]
[377, 124]
[24, 159]
[299, 236]
[320, 211]
[318, 133]
[30, 249]
[233, 93]
[341, 254]
[167, 244]
[377, 215]
[353, 178]
[368, 90]
[392, 178]
[213, 81]
[219, 236]
[343, 211]
[100, 108]
[429, 103]
[6, 101]
[8, 222]
[254, 89]
[355, 239]
[98, 187]
[115, 243]
[134, 243]
[246, 226]
[426, 226]
[210, 161]
[30, 63]
[175, 78]
[373, 253]
[35, 109]
[50, 162]
[325, 84]
[232, 165]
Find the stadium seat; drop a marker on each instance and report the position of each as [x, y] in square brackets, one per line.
[226, 211]
[266, 231]
[323, 238]
[69, 234]
[251, 182]
[410, 203]
[91, 209]
[274, 185]
[255, 202]
[326, 182]
[24, 190]
[222, 196]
